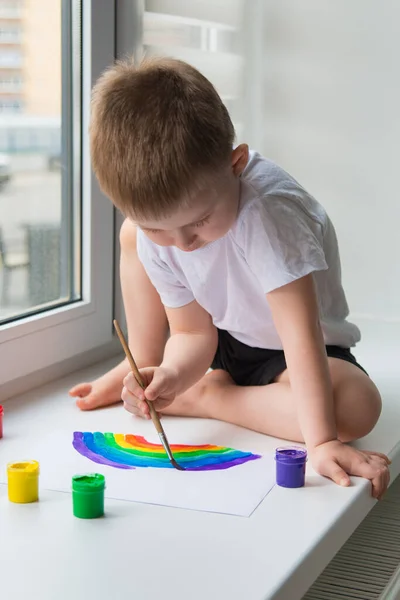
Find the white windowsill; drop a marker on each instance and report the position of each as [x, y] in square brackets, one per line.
[155, 551]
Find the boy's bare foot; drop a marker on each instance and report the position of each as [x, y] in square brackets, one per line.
[201, 399]
[93, 395]
[103, 391]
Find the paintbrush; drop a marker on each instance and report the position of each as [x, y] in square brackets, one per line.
[154, 416]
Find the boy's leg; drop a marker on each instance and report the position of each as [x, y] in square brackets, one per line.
[271, 409]
[147, 327]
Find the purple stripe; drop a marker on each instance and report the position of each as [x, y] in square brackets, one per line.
[226, 465]
[80, 446]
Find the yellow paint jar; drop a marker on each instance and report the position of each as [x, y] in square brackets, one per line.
[23, 481]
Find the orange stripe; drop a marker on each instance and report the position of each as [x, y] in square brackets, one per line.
[138, 441]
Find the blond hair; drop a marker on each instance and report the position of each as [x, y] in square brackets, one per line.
[158, 129]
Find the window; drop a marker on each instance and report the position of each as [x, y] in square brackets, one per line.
[10, 105]
[10, 83]
[10, 59]
[10, 9]
[224, 41]
[10, 35]
[206, 35]
[56, 276]
[38, 243]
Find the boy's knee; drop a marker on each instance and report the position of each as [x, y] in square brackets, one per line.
[358, 407]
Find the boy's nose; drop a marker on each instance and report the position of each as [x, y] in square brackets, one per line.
[185, 241]
[187, 247]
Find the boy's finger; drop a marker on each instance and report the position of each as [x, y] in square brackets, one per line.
[134, 411]
[378, 475]
[378, 487]
[337, 474]
[132, 385]
[129, 398]
[156, 386]
[144, 409]
[370, 470]
[379, 455]
[380, 484]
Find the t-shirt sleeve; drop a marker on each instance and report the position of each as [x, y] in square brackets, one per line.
[281, 242]
[172, 290]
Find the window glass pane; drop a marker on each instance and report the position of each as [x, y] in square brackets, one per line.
[40, 87]
[207, 35]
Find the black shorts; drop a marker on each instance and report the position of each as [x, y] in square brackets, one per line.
[257, 366]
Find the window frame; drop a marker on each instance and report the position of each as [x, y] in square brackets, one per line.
[42, 340]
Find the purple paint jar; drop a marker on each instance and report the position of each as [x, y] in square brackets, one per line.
[290, 466]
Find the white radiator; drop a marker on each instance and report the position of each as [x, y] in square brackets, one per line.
[367, 566]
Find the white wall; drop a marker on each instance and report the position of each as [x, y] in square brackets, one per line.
[332, 119]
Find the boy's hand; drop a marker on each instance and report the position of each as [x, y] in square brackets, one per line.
[337, 461]
[161, 385]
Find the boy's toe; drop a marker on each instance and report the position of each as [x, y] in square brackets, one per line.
[86, 403]
[82, 389]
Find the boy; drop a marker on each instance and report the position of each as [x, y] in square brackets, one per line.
[247, 268]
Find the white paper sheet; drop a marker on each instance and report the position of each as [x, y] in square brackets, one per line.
[236, 491]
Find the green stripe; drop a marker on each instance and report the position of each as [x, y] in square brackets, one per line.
[109, 437]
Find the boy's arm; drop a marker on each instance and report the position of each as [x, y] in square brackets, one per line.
[188, 354]
[191, 347]
[295, 312]
[145, 315]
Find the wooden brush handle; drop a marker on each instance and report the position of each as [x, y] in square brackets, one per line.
[154, 416]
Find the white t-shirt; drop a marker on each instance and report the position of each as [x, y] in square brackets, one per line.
[281, 234]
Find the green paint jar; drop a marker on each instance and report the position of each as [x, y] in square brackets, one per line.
[88, 496]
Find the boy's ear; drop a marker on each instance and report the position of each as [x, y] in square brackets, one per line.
[240, 158]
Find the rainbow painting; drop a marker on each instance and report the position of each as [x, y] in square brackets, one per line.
[125, 451]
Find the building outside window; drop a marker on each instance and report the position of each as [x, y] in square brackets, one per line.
[56, 277]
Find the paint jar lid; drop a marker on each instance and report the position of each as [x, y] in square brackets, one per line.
[291, 455]
[26, 468]
[1, 409]
[92, 482]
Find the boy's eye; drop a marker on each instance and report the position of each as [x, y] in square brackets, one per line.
[198, 224]
[202, 222]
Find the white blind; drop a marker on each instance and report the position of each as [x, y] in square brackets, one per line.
[208, 34]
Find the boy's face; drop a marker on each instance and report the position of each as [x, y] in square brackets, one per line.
[206, 218]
